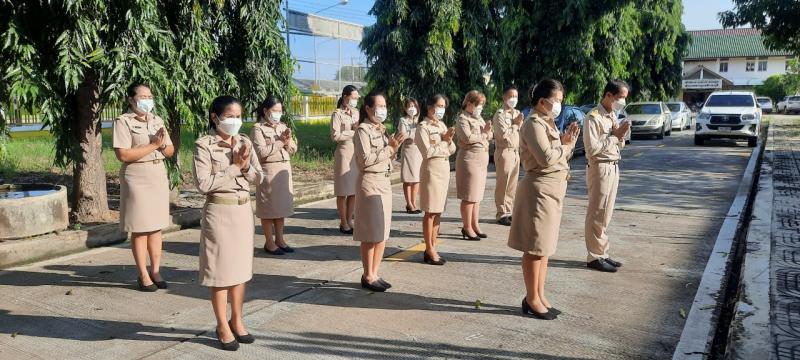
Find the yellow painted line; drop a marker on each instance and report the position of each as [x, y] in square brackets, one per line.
[637, 154]
[407, 253]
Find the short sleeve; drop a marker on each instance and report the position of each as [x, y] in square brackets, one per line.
[121, 135]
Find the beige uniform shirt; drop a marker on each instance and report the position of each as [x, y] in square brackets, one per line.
[342, 125]
[429, 140]
[469, 134]
[373, 153]
[506, 133]
[214, 172]
[268, 145]
[408, 126]
[541, 150]
[600, 143]
[130, 133]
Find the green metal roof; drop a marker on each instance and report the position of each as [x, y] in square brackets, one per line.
[729, 43]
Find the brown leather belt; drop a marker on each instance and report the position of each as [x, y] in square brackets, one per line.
[219, 200]
[156, 161]
[273, 162]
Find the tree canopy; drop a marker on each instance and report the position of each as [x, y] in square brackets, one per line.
[778, 20]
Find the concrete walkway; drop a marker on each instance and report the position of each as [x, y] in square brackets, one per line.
[308, 305]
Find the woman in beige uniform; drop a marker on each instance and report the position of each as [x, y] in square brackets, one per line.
[436, 144]
[505, 124]
[537, 213]
[472, 162]
[412, 158]
[344, 122]
[374, 153]
[224, 168]
[273, 144]
[141, 143]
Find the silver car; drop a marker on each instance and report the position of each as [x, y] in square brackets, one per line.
[650, 118]
[681, 115]
[765, 104]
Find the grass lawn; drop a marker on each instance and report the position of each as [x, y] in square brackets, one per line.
[33, 152]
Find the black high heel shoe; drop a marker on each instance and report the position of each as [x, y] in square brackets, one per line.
[159, 284]
[278, 251]
[149, 288]
[229, 346]
[244, 339]
[481, 235]
[429, 260]
[373, 286]
[554, 311]
[527, 310]
[343, 231]
[466, 236]
[384, 283]
[409, 211]
[286, 249]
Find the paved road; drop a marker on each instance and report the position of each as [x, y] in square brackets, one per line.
[308, 305]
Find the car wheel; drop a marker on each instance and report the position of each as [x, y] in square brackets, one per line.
[752, 141]
[669, 130]
[661, 135]
[698, 140]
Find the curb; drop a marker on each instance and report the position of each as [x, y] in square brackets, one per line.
[749, 331]
[703, 319]
[60, 243]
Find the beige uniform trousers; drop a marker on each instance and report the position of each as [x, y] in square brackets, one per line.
[506, 162]
[602, 180]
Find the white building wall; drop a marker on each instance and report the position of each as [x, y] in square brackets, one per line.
[737, 73]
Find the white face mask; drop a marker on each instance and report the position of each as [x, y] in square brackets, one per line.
[352, 103]
[145, 105]
[276, 116]
[439, 113]
[512, 102]
[412, 111]
[556, 109]
[381, 113]
[476, 111]
[618, 105]
[230, 126]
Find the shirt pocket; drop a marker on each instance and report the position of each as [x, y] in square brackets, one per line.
[219, 161]
[435, 137]
[140, 135]
[377, 142]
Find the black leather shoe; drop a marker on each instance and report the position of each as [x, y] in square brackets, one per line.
[465, 236]
[159, 284]
[613, 263]
[384, 283]
[506, 220]
[277, 251]
[345, 231]
[601, 265]
[374, 286]
[481, 235]
[418, 211]
[244, 339]
[286, 249]
[149, 288]
[229, 346]
[554, 311]
[527, 310]
[429, 260]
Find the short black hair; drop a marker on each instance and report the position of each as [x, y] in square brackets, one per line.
[218, 106]
[433, 99]
[268, 103]
[131, 90]
[544, 89]
[369, 100]
[509, 88]
[614, 86]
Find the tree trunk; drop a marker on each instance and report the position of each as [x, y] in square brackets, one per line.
[89, 196]
[175, 136]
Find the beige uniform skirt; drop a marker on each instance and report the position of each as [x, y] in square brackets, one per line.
[412, 160]
[144, 197]
[373, 208]
[275, 195]
[537, 214]
[226, 244]
[345, 173]
[471, 172]
[434, 182]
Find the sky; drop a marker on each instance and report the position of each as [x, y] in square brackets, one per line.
[697, 15]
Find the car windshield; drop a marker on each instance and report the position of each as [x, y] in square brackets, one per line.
[794, 98]
[643, 109]
[674, 107]
[730, 100]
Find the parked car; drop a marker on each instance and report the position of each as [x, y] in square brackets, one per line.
[792, 105]
[650, 118]
[780, 107]
[681, 115]
[731, 115]
[765, 103]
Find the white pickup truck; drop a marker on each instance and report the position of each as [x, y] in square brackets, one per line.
[729, 115]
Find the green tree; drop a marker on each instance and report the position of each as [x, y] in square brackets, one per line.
[791, 80]
[779, 21]
[773, 87]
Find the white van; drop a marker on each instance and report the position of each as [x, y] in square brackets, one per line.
[729, 115]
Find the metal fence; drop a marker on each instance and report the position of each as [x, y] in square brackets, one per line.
[16, 115]
[304, 107]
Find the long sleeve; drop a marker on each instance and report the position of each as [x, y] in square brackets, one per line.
[542, 149]
[504, 131]
[262, 146]
[364, 152]
[254, 175]
[594, 141]
[290, 147]
[428, 150]
[337, 134]
[204, 180]
[464, 132]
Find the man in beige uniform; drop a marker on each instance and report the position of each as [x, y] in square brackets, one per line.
[505, 126]
[603, 139]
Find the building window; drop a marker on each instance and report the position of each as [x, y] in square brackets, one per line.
[723, 67]
[750, 66]
[762, 65]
